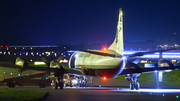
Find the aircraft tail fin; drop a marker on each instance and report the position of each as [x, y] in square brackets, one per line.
[118, 45]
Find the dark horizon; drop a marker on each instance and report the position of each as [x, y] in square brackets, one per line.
[74, 22]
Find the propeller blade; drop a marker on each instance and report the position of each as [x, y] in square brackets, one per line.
[149, 52]
[60, 58]
[45, 61]
[136, 61]
[45, 76]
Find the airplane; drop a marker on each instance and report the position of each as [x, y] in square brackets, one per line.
[108, 63]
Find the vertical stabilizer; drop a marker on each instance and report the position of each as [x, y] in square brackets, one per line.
[117, 45]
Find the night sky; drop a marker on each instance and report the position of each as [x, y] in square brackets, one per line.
[59, 22]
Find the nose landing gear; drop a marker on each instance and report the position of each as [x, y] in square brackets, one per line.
[134, 77]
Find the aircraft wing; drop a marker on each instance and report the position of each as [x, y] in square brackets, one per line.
[149, 69]
[47, 69]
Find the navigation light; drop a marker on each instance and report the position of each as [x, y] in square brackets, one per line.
[104, 49]
[104, 78]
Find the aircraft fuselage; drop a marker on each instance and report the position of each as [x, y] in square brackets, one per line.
[97, 65]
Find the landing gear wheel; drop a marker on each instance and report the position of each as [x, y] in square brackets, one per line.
[61, 85]
[42, 85]
[131, 86]
[55, 85]
[137, 86]
[11, 85]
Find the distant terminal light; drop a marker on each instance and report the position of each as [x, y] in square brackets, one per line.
[155, 55]
[143, 61]
[64, 61]
[47, 52]
[71, 51]
[173, 60]
[165, 53]
[39, 63]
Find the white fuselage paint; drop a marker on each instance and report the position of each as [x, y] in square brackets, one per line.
[92, 61]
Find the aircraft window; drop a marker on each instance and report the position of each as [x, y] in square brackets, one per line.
[81, 55]
[87, 55]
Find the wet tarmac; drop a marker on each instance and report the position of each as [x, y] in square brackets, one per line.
[106, 94]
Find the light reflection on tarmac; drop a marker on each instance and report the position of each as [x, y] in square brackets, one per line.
[128, 90]
[106, 94]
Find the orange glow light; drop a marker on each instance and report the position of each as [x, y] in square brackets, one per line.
[104, 49]
[104, 78]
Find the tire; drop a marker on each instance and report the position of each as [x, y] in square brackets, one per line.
[131, 86]
[61, 85]
[42, 85]
[11, 85]
[137, 86]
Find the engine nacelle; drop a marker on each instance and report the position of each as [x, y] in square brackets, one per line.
[22, 63]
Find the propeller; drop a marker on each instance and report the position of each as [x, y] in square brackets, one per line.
[48, 64]
[60, 58]
[45, 61]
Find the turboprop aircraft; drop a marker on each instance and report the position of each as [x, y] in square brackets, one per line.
[98, 63]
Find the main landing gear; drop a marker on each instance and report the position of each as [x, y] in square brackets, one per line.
[59, 83]
[134, 77]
